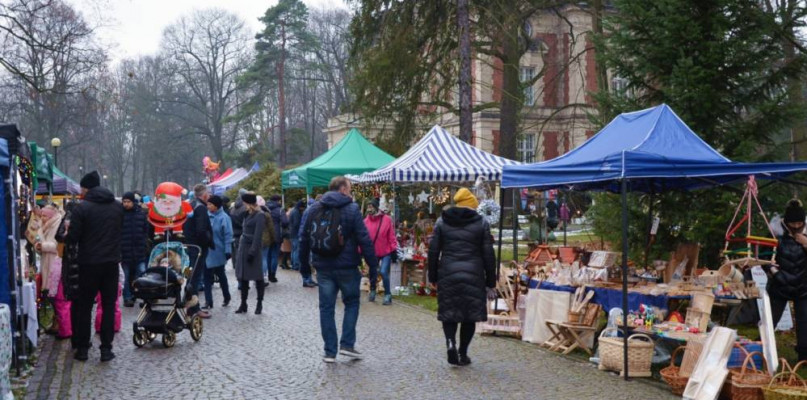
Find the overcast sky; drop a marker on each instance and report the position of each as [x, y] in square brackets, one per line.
[134, 27]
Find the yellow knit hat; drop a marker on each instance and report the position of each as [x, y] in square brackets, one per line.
[464, 198]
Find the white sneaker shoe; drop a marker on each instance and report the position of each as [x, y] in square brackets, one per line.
[329, 359]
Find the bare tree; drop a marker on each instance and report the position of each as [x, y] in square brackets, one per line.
[208, 51]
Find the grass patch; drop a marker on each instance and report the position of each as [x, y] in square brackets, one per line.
[425, 302]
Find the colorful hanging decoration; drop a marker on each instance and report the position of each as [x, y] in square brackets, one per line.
[26, 169]
[211, 169]
[440, 196]
[489, 210]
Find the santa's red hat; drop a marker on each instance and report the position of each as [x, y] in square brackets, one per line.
[169, 189]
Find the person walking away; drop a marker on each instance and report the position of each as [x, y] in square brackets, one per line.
[382, 233]
[95, 225]
[198, 232]
[331, 234]
[788, 281]
[248, 264]
[221, 253]
[280, 222]
[295, 222]
[462, 263]
[237, 215]
[285, 246]
[134, 244]
[51, 268]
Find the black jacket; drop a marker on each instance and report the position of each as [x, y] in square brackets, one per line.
[197, 228]
[133, 240]
[237, 216]
[462, 263]
[279, 219]
[70, 267]
[95, 225]
[790, 282]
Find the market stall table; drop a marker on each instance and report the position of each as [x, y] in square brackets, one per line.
[612, 298]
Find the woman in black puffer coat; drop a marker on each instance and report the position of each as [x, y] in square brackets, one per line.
[789, 277]
[462, 263]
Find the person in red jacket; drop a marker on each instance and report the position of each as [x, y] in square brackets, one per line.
[382, 233]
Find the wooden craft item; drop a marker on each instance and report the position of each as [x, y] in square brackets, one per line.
[585, 301]
[689, 251]
[710, 371]
[766, 333]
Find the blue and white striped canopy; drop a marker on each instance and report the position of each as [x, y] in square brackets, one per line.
[439, 157]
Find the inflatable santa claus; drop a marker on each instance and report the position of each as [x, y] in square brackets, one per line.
[167, 210]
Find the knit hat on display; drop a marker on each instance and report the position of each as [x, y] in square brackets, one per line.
[91, 180]
[464, 198]
[794, 211]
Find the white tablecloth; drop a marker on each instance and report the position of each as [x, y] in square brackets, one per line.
[544, 305]
[29, 308]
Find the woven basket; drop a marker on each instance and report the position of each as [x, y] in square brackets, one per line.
[640, 354]
[748, 384]
[671, 375]
[786, 385]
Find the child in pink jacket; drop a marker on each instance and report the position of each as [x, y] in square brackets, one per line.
[382, 233]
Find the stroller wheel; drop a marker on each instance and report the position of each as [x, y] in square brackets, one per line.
[196, 328]
[151, 336]
[169, 339]
[140, 338]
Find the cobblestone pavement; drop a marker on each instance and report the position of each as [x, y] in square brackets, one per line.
[277, 355]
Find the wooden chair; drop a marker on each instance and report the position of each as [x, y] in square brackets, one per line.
[568, 336]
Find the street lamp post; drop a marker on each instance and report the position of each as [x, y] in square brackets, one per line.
[56, 143]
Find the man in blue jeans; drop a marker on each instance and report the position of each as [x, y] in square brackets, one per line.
[337, 262]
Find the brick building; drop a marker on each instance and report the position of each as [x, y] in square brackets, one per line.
[563, 93]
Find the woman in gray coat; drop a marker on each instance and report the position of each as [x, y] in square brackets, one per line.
[249, 264]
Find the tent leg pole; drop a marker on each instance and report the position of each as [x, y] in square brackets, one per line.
[625, 275]
[499, 254]
[649, 227]
[515, 227]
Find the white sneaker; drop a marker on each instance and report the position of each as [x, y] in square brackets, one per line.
[329, 359]
[351, 352]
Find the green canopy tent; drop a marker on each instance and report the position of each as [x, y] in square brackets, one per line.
[352, 155]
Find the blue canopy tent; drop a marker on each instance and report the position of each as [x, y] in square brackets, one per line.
[652, 150]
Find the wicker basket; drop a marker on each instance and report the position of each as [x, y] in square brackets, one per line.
[640, 354]
[786, 385]
[748, 384]
[671, 375]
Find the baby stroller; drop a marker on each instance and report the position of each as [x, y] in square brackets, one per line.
[161, 289]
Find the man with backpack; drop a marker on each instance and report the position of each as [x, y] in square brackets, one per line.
[331, 232]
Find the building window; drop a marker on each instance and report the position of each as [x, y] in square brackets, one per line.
[619, 86]
[526, 147]
[527, 73]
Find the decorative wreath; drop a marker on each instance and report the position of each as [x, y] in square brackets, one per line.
[490, 211]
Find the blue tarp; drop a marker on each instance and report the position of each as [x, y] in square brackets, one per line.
[652, 148]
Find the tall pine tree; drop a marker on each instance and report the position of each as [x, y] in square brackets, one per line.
[720, 66]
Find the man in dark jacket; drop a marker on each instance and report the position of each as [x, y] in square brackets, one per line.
[295, 218]
[133, 244]
[281, 223]
[95, 225]
[339, 272]
[198, 232]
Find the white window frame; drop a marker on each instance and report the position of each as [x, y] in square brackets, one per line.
[526, 147]
[525, 74]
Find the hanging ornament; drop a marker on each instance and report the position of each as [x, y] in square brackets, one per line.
[411, 198]
[383, 203]
[489, 210]
[423, 197]
[481, 189]
[440, 196]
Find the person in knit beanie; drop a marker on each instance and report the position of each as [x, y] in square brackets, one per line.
[464, 198]
[788, 280]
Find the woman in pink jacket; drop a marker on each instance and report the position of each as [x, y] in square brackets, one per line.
[51, 268]
[382, 233]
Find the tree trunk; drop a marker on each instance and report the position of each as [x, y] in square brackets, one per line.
[512, 96]
[281, 97]
[602, 73]
[463, 21]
